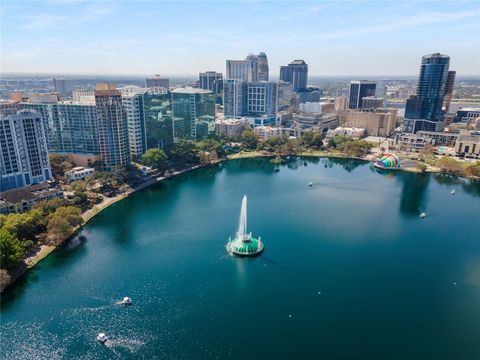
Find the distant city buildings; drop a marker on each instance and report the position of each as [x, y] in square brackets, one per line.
[358, 90]
[24, 156]
[207, 80]
[193, 113]
[295, 73]
[63, 86]
[253, 68]
[157, 81]
[112, 127]
[424, 111]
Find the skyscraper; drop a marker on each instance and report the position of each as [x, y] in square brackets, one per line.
[449, 89]
[234, 97]
[24, 156]
[285, 94]
[193, 113]
[70, 127]
[63, 86]
[358, 90]
[253, 68]
[157, 111]
[424, 111]
[262, 98]
[157, 81]
[207, 79]
[295, 73]
[112, 127]
[132, 101]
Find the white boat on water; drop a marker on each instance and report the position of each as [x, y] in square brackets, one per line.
[422, 215]
[102, 337]
[126, 301]
[452, 192]
[310, 184]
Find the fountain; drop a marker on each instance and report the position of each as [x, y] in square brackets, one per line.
[244, 244]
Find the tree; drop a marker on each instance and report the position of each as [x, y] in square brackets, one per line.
[473, 170]
[450, 166]
[24, 226]
[62, 222]
[211, 144]
[184, 152]
[60, 164]
[155, 158]
[12, 250]
[249, 139]
[312, 139]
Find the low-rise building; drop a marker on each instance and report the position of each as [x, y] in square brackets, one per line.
[231, 128]
[266, 132]
[323, 121]
[379, 122]
[79, 173]
[355, 133]
[412, 142]
[440, 138]
[22, 199]
[372, 102]
[468, 145]
[311, 107]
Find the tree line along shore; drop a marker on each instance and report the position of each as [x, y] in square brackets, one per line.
[26, 238]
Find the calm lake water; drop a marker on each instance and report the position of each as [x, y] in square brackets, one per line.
[349, 270]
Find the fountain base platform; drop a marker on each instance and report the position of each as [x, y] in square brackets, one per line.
[246, 247]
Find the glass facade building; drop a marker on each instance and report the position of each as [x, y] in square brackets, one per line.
[193, 113]
[424, 111]
[262, 98]
[358, 90]
[296, 73]
[157, 111]
[234, 97]
[70, 127]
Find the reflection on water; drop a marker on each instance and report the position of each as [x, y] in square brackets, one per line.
[412, 200]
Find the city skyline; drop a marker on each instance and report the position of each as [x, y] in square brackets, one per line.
[334, 38]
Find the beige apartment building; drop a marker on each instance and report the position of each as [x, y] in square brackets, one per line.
[380, 122]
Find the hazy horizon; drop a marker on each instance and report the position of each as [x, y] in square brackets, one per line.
[371, 38]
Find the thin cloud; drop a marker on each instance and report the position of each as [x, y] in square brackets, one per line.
[420, 19]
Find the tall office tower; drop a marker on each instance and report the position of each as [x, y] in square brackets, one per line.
[157, 81]
[262, 98]
[424, 111]
[295, 73]
[218, 91]
[234, 97]
[358, 90]
[24, 156]
[206, 80]
[132, 101]
[63, 86]
[157, 111]
[449, 89]
[193, 113]
[253, 68]
[285, 94]
[112, 127]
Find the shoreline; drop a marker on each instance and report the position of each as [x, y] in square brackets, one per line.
[46, 250]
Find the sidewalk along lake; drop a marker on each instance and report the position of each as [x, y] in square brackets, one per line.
[349, 270]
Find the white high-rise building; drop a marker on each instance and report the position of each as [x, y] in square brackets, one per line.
[132, 101]
[253, 68]
[24, 157]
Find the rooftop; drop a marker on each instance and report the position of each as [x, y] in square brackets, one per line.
[191, 90]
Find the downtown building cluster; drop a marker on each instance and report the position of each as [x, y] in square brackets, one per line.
[111, 126]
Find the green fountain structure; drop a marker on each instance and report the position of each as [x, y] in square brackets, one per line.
[244, 244]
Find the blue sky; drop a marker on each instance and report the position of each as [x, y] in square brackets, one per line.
[167, 37]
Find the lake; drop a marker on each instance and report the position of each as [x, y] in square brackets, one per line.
[349, 270]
